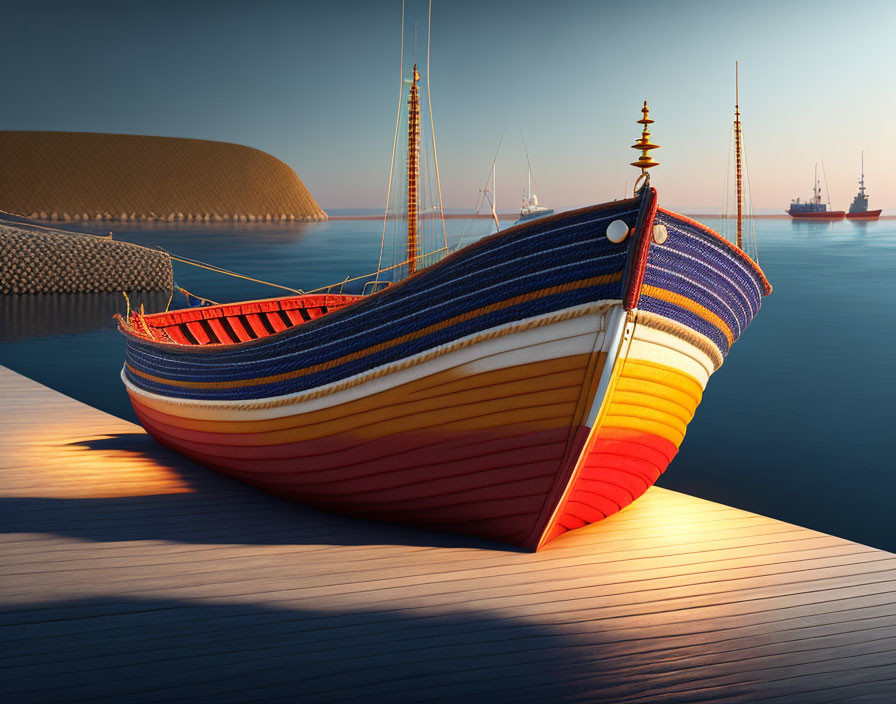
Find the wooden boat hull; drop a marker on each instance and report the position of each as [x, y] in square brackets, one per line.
[529, 384]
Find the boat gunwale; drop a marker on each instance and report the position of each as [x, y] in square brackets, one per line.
[130, 332]
[746, 258]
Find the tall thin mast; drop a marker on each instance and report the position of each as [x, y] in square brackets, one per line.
[739, 175]
[862, 179]
[413, 171]
[816, 188]
[495, 197]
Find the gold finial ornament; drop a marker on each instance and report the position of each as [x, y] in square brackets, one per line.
[645, 162]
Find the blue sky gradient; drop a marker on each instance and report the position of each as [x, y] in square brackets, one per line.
[316, 84]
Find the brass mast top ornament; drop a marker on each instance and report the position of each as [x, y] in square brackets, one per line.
[644, 162]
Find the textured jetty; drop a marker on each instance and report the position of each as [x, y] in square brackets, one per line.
[93, 176]
[39, 261]
[129, 573]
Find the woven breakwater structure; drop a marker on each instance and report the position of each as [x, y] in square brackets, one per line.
[34, 261]
[78, 176]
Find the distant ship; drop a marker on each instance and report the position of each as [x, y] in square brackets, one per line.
[859, 208]
[815, 209]
[531, 209]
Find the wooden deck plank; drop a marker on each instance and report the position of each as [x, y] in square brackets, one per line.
[126, 572]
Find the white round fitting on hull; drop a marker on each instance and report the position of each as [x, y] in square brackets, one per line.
[660, 233]
[617, 231]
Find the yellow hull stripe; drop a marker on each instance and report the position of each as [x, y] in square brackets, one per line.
[654, 399]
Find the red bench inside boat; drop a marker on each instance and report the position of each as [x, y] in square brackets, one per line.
[231, 323]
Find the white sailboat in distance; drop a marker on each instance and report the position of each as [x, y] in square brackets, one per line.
[530, 209]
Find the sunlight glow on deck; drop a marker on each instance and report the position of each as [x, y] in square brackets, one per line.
[66, 460]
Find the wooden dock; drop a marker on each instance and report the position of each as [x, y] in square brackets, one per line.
[130, 574]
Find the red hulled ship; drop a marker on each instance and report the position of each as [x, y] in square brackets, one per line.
[859, 208]
[814, 209]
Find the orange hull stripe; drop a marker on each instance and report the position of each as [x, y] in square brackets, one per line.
[463, 417]
[695, 308]
[444, 389]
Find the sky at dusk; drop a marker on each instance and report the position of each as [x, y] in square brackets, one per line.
[316, 85]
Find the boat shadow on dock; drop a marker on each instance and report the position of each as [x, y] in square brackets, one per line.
[196, 505]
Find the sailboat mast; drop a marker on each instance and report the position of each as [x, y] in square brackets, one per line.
[413, 171]
[495, 197]
[739, 174]
[816, 187]
[862, 179]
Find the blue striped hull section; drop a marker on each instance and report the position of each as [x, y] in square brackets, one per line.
[706, 271]
[443, 303]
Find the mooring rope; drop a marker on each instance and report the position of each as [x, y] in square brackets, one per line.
[219, 270]
[185, 260]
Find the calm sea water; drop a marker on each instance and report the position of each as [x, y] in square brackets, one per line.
[796, 424]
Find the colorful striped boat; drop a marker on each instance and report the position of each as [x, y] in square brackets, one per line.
[526, 385]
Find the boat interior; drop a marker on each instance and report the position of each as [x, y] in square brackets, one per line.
[236, 322]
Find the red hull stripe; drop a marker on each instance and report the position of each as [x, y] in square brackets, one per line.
[828, 215]
[640, 429]
[498, 495]
[487, 453]
[621, 466]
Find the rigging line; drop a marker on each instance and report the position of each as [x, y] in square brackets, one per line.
[188, 293]
[469, 221]
[185, 260]
[750, 200]
[824, 173]
[492, 204]
[432, 127]
[749, 195]
[528, 161]
[487, 179]
[350, 279]
[394, 138]
[219, 270]
[726, 208]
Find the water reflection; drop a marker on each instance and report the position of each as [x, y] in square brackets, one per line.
[48, 314]
[165, 234]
